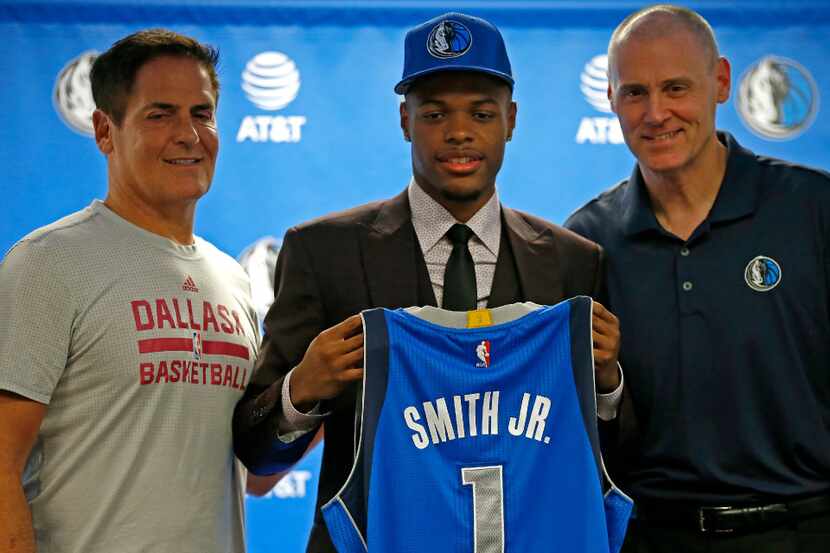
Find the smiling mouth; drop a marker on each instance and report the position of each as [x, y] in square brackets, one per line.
[461, 162]
[183, 161]
[462, 165]
[664, 136]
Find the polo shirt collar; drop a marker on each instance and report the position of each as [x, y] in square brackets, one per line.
[637, 215]
[737, 197]
[739, 193]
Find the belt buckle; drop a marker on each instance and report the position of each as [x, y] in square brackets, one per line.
[701, 517]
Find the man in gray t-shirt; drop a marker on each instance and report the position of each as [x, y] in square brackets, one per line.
[126, 340]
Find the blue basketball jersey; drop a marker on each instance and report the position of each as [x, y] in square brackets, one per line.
[479, 440]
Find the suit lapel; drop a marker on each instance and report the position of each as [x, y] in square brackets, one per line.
[506, 288]
[390, 260]
[538, 265]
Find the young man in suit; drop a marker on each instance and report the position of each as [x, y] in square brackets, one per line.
[446, 240]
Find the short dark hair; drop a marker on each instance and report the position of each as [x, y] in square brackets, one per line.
[113, 73]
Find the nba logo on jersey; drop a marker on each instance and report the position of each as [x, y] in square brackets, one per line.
[483, 353]
[197, 345]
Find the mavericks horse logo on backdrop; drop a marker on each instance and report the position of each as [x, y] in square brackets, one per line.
[72, 95]
[260, 260]
[777, 98]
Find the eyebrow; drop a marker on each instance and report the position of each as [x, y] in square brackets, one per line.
[671, 80]
[625, 88]
[159, 105]
[476, 103]
[677, 80]
[173, 107]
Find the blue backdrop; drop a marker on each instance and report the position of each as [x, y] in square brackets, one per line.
[309, 122]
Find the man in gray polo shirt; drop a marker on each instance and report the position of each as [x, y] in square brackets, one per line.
[126, 340]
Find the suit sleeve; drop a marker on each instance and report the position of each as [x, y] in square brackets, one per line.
[600, 291]
[294, 319]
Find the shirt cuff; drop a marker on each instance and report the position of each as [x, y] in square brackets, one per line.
[607, 404]
[292, 424]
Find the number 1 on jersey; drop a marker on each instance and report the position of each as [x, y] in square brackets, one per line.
[488, 507]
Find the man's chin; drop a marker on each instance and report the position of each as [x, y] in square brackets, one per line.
[462, 196]
[664, 164]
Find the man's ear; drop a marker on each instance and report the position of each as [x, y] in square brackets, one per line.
[405, 122]
[723, 76]
[610, 94]
[511, 120]
[103, 126]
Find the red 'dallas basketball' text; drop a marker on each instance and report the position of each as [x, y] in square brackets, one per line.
[207, 333]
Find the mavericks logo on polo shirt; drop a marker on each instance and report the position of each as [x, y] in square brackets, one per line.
[762, 274]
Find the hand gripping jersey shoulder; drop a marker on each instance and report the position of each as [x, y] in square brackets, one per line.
[479, 440]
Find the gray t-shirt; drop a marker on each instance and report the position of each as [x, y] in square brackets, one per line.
[141, 348]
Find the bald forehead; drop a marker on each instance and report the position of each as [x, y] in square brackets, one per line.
[661, 22]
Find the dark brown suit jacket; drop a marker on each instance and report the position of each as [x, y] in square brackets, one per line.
[369, 256]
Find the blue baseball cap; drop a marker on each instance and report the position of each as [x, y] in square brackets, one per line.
[454, 42]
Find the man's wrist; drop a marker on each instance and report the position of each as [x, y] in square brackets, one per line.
[291, 408]
[611, 381]
[608, 404]
[298, 399]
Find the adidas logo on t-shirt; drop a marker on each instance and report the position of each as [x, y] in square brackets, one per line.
[189, 285]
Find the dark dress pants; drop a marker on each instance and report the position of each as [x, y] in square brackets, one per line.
[805, 536]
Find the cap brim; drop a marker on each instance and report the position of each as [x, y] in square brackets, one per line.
[403, 86]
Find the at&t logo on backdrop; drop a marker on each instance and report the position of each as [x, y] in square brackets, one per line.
[594, 86]
[777, 98]
[72, 96]
[291, 486]
[271, 81]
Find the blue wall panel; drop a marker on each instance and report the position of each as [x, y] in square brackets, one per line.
[338, 142]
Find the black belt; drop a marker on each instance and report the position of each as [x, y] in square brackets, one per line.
[727, 519]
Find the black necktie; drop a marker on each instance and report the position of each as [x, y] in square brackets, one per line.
[460, 275]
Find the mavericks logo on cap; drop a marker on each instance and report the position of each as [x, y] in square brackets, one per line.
[762, 274]
[449, 39]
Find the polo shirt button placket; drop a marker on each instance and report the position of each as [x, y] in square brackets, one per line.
[684, 273]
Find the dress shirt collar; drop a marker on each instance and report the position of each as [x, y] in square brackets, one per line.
[432, 221]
